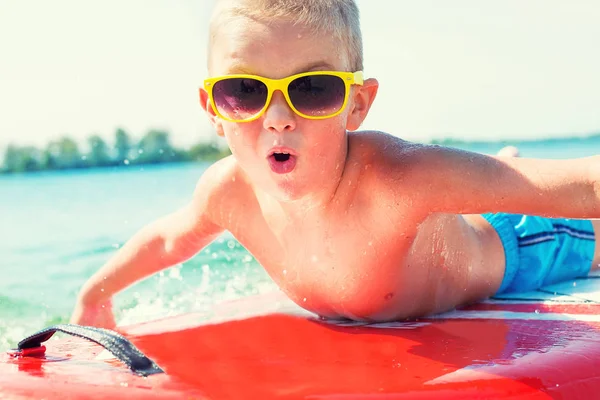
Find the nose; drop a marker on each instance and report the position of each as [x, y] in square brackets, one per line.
[279, 117]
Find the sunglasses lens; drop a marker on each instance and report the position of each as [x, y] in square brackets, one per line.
[317, 95]
[239, 98]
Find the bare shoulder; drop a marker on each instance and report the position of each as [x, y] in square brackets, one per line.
[221, 184]
[382, 166]
[389, 162]
[217, 177]
[383, 152]
[421, 178]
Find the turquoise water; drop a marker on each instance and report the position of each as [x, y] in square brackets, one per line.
[57, 228]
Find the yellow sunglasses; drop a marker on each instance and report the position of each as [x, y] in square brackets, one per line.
[312, 95]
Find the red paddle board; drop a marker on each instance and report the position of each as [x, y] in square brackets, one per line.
[539, 345]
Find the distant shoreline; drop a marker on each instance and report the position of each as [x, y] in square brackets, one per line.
[155, 149]
[592, 137]
[64, 154]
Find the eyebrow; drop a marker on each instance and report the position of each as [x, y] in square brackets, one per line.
[315, 66]
[239, 69]
[319, 65]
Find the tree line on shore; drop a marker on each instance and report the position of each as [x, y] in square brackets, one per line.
[154, 147]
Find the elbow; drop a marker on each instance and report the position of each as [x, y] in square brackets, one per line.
[158, 250]
[172, 251]
[178, 248]
[593, 199]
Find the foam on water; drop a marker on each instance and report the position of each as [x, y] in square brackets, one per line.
[223, 271]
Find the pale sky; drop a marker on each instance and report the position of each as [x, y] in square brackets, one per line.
[468, 69]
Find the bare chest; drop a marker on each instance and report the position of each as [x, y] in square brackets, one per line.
[321, 262]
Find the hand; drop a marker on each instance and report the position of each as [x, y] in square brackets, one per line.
[99, 314]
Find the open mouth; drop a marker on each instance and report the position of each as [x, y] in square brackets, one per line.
[282, 162]
[281, 157]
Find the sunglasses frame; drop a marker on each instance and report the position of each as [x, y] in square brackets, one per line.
[349, 79]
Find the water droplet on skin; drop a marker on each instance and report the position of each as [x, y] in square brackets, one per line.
[370, 243]
[284, 272]
[124, 384]
[304, 299]
[233, 179]
[537, 311]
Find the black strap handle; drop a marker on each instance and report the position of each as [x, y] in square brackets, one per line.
[112, 341]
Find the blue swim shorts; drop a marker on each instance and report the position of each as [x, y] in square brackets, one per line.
[540, 251]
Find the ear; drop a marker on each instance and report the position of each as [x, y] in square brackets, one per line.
[207, 107]
[362, 99]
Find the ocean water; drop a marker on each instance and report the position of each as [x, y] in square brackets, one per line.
[57, 228]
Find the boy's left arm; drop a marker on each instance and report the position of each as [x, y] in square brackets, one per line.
[449, 180]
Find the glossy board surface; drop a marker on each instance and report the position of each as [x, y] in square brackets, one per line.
[533, 347]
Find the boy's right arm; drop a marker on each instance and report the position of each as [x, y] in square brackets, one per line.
[168, 241]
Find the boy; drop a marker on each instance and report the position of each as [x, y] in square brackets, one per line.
[357, 225]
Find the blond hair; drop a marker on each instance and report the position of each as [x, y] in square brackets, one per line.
[339, 18]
